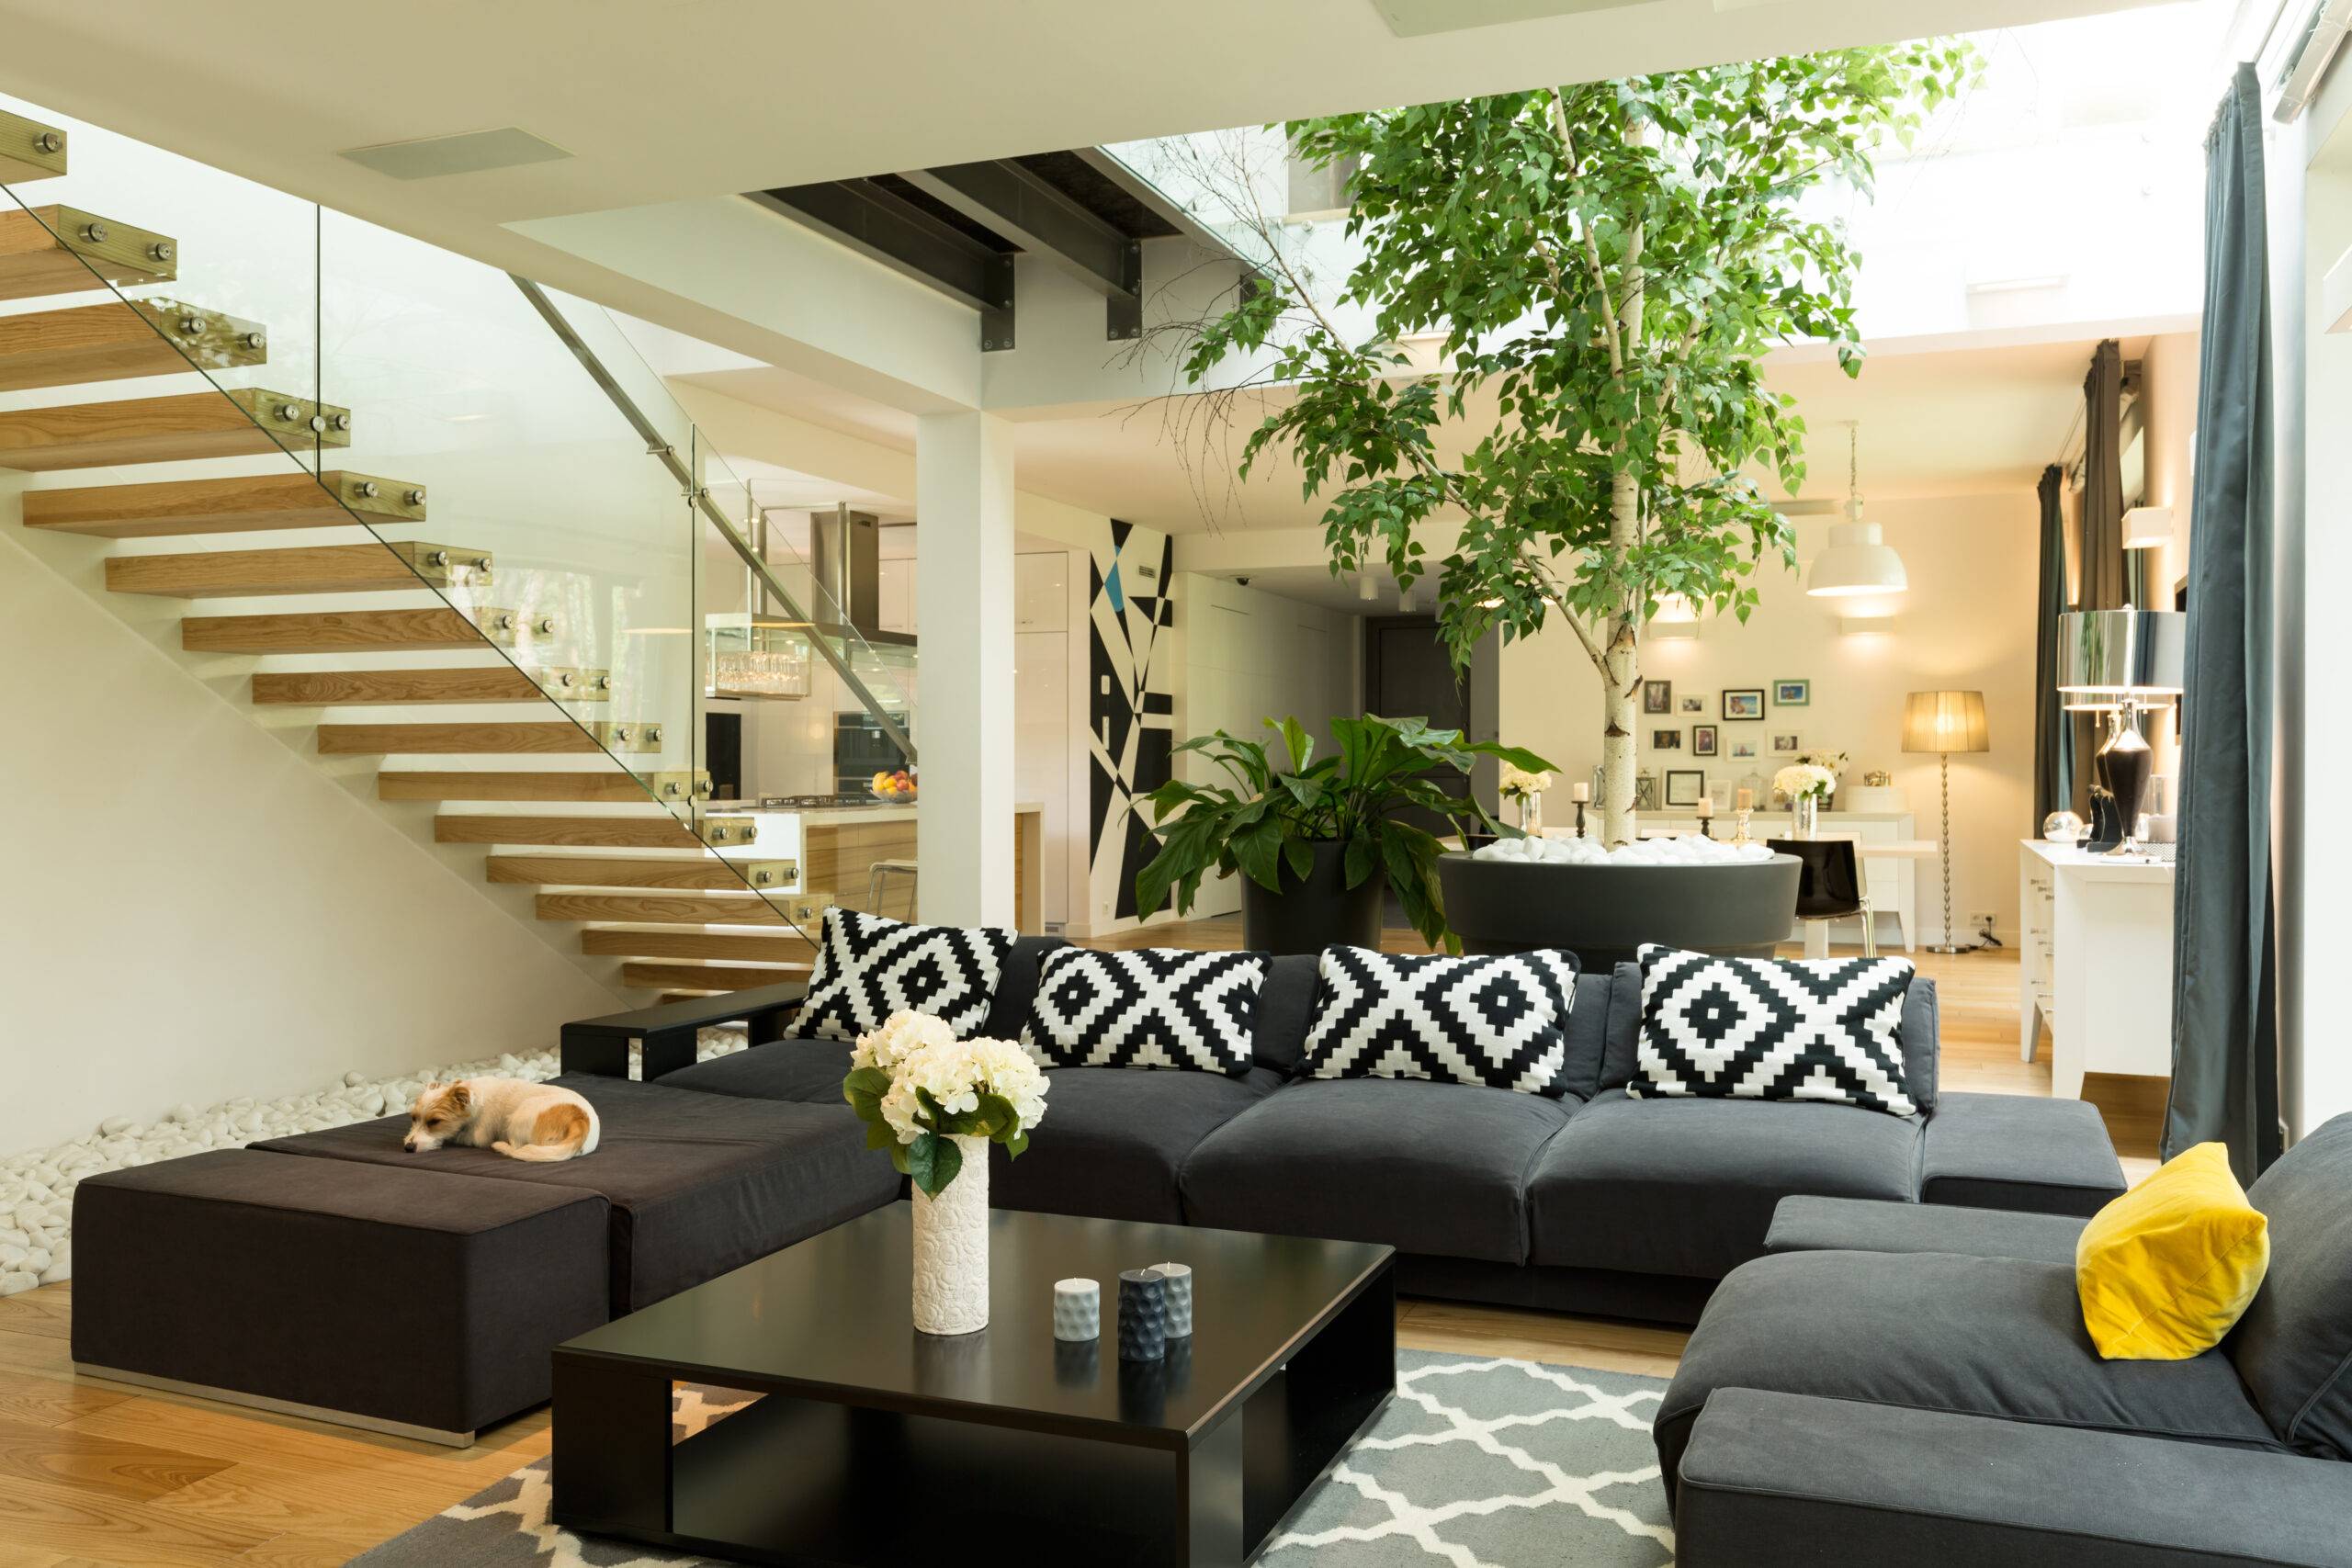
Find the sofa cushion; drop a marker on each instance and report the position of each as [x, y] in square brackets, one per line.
[1016, 983]
[1607, 1004]
[1113, 1140]
[1773, 1029]
[1921, 1028]
[1285, 1011]
[1934, 1331]
[699, 1183]
[869, 966]
[1861, 1225]
[2294, 1346]
[2022, 1152]
[1148, 1006]
[1689, 1186]
[807, 1071]
[1490, 1020]
[1427, 1167]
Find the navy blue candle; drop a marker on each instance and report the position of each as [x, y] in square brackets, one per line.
[1143, 1315]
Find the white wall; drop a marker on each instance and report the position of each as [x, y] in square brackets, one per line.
[191, 911]
[1245, 656]
[1967, 623]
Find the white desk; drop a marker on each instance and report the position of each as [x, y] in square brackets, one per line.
[1883, 842]
[2095, 963]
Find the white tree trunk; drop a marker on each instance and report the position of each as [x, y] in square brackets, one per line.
[1620, 680]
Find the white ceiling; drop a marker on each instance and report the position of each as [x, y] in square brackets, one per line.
[662, 100]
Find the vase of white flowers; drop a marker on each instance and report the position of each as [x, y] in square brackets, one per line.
[1526, 790]
[1807, 785]
[936, 1103]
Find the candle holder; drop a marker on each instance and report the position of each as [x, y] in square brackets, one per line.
[1180, 1298]
[1741, 816]
[1706, 827]
[1078, 1310]
[1143, 1315]
[1580, 818]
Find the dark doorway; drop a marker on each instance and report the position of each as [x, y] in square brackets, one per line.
[1407, 675]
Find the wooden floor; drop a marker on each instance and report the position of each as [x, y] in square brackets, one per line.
[92, 1472]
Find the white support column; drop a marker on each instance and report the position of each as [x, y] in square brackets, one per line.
[963, 698]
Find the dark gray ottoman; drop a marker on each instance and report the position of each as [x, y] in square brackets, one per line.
[412, 1301]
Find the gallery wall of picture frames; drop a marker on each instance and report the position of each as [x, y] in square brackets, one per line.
[1724, 737]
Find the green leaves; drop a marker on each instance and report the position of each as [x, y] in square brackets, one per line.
[933, 1161]
[1384, 766]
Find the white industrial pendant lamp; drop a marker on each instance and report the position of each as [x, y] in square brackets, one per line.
[1858, 559]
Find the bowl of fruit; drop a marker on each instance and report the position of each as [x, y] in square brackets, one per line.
[893, 787]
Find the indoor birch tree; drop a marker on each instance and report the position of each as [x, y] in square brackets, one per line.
[1599, 270]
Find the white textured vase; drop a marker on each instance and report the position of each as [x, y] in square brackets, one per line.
[952, 1248]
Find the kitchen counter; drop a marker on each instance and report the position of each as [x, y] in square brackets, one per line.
[837, 847]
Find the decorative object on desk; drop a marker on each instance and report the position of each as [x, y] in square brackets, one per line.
[1180, 1298]
[1580, 795]
[1526, 789]
[1744, 703]
[1645, 790]
[1693, 704]
[1706, 809]
[1878, 778]
[1078, 1310]
[1791, 693]
[1859, 561]
[1704, 740]
[1721, 793]
[1666, 739]
[1321, 841]
[1143, 1315]
[1685, 786]
[1739, 819]
[1945, 722]
[1807, 785]
[2124, 661]
[1658, 697]
[2062, 827]
[1787, 743]
[936, 1103]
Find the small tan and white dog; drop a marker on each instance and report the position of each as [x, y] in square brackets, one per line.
[521, 1121]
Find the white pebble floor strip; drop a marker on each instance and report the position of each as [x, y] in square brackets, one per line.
[37, 1187]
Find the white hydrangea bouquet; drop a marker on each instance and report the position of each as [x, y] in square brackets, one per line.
[918, 1088]
[936, 1103]
[1806, 780]
[1518, 783]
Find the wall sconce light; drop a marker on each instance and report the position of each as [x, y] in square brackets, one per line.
[1677, 617]
[2147, 527]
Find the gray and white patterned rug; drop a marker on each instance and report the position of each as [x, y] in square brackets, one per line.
[1476, 1463]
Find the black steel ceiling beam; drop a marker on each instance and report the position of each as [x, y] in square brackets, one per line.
[909, 242]
[1010, 200]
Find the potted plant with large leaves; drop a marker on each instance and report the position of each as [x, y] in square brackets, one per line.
[1321, 841]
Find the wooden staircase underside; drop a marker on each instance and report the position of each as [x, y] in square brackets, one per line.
[597, 868]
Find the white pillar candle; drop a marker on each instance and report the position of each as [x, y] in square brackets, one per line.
[1078, 1310]
[1180, 1298]
[1580, 792]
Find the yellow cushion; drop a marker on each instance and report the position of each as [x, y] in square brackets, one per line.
[2166, 1269]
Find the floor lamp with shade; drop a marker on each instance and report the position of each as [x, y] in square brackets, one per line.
[1945, 722]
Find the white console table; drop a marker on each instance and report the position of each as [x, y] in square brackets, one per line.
[2095, 963]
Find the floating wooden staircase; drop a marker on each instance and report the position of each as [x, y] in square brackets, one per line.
[613, 872]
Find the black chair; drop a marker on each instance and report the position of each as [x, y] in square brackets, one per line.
[1830, 887]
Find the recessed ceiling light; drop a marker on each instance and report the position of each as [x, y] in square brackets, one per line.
[467, 153]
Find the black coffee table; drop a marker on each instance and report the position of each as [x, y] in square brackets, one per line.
[876, 1445]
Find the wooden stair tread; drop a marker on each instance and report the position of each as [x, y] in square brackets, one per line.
[64, 250]
[332, 688]
[242, 422]
[330, 631]
[662, 832]
[713, 976]
[609, 786]
[650, 908]
[242, 503]
[29, 150]
[110, 342]
[595, 871]
[761, 948]
[399, 740]
[238, 574]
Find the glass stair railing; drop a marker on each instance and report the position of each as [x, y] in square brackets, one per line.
[411, 500]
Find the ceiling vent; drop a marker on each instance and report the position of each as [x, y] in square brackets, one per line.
[1418, 18]
[469, 153]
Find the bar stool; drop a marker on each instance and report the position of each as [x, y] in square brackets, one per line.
[877, 879]
[1830, 885]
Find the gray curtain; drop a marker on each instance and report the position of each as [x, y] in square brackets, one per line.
[2224, 1018]
[2053, 728]
[2102, 542]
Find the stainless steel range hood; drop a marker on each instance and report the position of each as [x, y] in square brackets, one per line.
[845, 558]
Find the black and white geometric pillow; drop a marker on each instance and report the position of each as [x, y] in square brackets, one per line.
[1147, 1007]
[869, 966]
[1773, 1029]
[1499, 1022]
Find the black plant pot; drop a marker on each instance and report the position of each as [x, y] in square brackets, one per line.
[1604, 913]
[1318, 912]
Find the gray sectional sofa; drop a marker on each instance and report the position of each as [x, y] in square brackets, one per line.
[302, 1266]
[1893, 1385]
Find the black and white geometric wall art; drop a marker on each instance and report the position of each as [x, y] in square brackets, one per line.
[868, 967]
[1131, 708]
[1146, 1008]
[1498, 1021]
[1773, 1029]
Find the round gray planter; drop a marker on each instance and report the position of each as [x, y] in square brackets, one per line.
[1603, 913]
[1318, 912]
